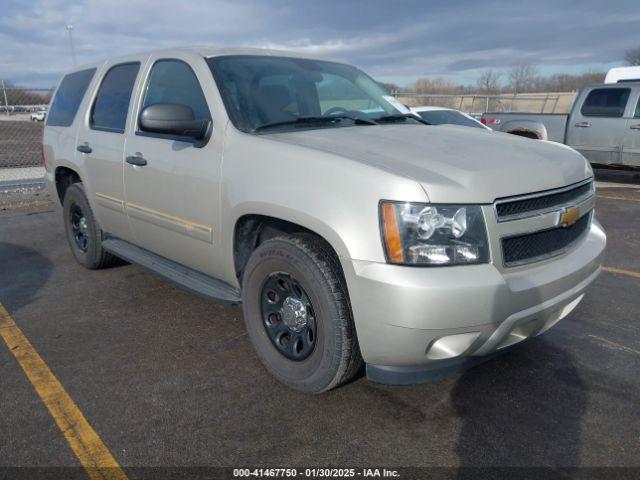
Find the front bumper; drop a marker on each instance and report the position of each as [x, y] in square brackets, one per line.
[414, 321]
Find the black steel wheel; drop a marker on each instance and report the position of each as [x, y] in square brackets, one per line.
[288, 316]
[83, 232]
[79, 227]
[296, 308]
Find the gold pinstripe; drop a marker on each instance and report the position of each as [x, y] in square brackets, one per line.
[111, 199]
[186, 223]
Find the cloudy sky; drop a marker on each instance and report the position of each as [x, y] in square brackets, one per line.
[396, 41]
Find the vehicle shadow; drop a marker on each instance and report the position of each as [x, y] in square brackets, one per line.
[618, 175]
[522, 409]
[23, 273]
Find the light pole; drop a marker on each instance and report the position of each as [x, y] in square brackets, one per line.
[6, 104]
[69, 29]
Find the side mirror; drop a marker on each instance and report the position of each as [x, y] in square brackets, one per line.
[173, 119]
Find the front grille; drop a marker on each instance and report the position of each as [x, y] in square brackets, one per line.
[532, 204]
[537, 246]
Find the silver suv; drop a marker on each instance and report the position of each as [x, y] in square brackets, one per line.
[351, 231]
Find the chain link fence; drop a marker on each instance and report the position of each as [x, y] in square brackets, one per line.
[22, 115]
[479, 104]
[23, 111]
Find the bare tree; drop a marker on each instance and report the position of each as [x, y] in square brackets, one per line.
[489, 82]
[435, 85]
[566, 82]
[632, 56]
[390, 87]
[15, 95]
[522, 76]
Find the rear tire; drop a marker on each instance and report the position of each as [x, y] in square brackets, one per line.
[83, 232]
[303, 271]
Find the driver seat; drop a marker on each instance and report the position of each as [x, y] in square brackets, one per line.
[271, 101]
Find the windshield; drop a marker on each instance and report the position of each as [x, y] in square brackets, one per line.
[439, 117]
[261, 91]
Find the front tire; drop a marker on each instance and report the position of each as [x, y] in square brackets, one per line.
[83, 232]
[297, 312]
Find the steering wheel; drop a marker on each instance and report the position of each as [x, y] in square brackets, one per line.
[335, 110]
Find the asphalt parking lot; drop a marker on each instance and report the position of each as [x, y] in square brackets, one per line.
[166, 378]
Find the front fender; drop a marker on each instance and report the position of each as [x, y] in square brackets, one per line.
[346, 242]
[292, 215]
[331, 195]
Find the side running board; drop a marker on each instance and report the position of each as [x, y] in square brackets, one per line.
[182, 276]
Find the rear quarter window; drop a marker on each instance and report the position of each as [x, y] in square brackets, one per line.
[605, 102]
[68, 98]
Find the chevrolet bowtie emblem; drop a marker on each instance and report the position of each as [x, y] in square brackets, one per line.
[569, 216]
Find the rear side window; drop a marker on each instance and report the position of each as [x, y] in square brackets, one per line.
[606, 102]
[112, 102]
[637, 114]
[68, 97]
[173, 81]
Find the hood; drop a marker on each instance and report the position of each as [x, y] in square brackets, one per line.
[454, 164]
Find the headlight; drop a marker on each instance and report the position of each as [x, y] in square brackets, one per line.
[428, 234]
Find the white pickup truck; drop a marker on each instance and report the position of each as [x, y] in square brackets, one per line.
[39, 116]
[603, 125]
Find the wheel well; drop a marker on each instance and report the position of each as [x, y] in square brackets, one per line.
[65, 177]
[252, 230]
[525, 133]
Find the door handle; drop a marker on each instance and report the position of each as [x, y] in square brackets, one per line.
[583, 124]
[136, 160]
[84, 148]
[635, 127]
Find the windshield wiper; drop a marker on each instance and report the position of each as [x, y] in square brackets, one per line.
[316, 119]
[401, 117]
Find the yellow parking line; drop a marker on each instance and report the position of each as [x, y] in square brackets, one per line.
[612, 197]
[84, 441]
[629, 273]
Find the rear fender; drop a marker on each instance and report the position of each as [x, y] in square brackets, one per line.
[526, 128]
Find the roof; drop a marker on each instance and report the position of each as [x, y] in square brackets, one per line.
[628, 74]
[207, 52]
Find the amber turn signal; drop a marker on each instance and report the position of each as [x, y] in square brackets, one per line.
[392, 233]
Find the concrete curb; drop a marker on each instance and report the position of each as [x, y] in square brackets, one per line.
[14, 175]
